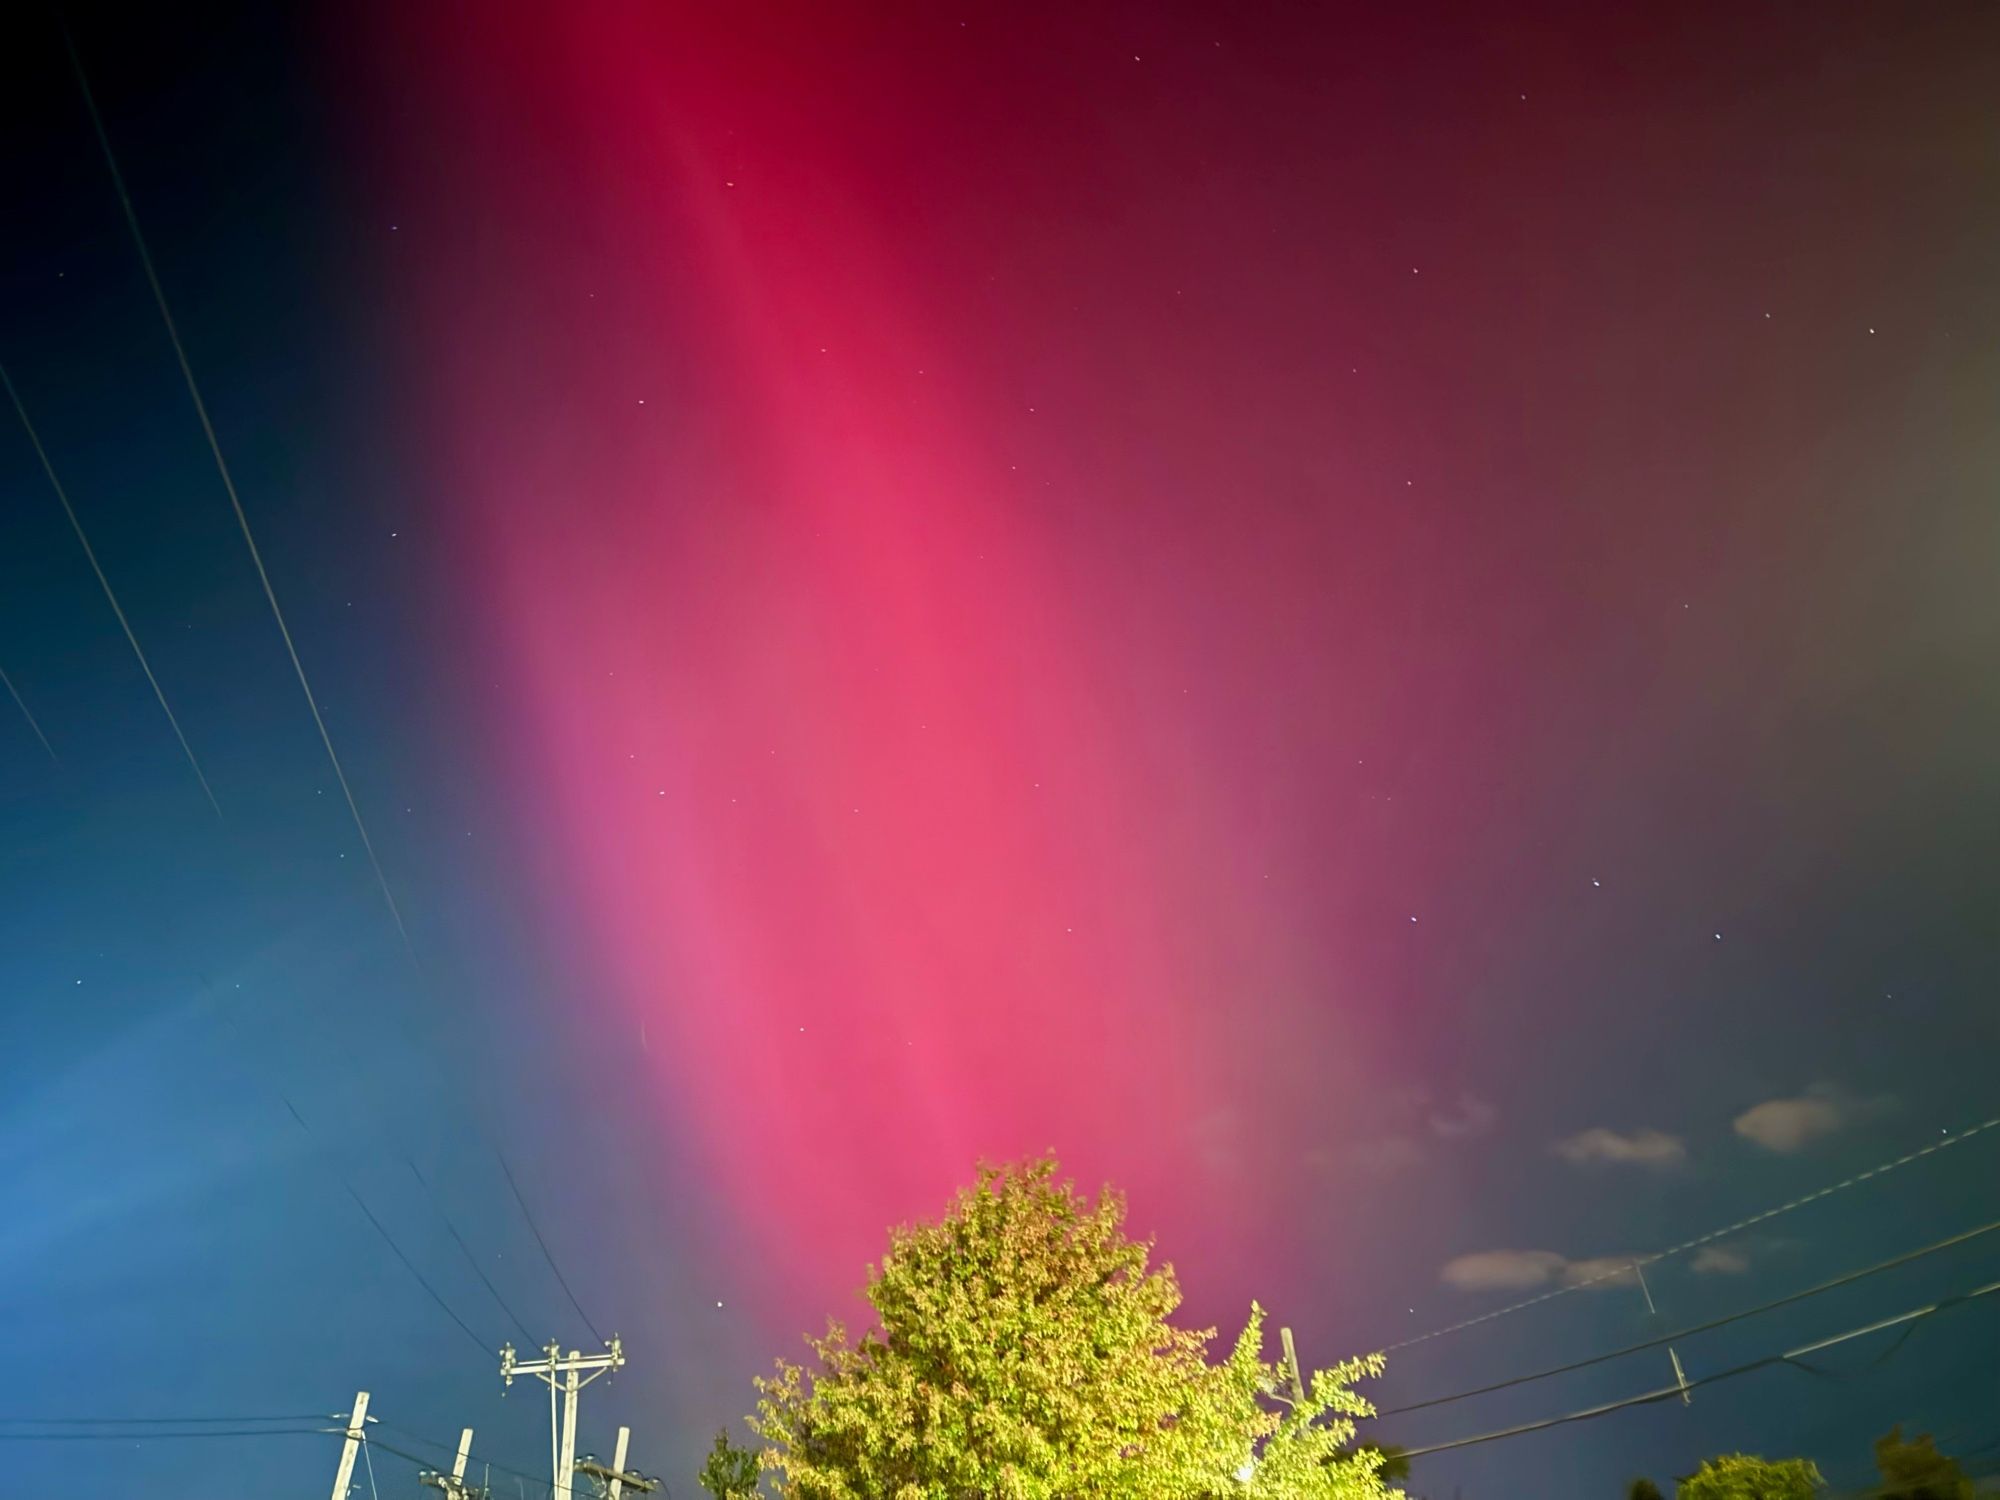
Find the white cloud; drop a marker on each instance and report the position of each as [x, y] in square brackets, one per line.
[1788, 1125]
[1387, 1156]
[1720, 1260]
[1525, 1270]
[1413, 1126]
[1503, 1270]
[1471, 1117]
[1599, 1146]
[1600, 1273]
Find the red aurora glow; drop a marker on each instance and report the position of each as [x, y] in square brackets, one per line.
[874, 805]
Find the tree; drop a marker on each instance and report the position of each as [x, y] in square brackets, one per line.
[1024, 1352]
[1738, 1476]
[1643, 1489]
[730, 1472]
[1395, 1463]
[1915, 1470]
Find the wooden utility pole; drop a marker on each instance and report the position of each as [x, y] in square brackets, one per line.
[356, 1436]
[1292, 1367]
[615, 1480]
[576, 1370]
[453, 1485]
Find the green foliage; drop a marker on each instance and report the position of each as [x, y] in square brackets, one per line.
[1915, 1470]
[1738, 1476]
[1643, 1489]
[730, 1472]
[1395, 1463]
[1025, 1352]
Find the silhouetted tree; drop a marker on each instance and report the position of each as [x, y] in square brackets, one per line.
[1915, 1470]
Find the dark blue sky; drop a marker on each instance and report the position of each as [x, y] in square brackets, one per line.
[1814, 781]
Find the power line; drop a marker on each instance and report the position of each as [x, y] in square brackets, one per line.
[270, 594]
[147, 1437]
[300, 1120]
[561, 1280]
[466, 1250]
[15, 694]
[1672, 1392]
[222, 468]
[117, 609]
[479, 1342]
[442, 1447]
[308, 1416]
[1701, 1239]
[1749, 1312]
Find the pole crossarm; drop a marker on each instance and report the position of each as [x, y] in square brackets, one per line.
[566, 1373]
[557, 1363]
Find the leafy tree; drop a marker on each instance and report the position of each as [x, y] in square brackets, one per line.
[1738, 1476]
[1024, 1353]
[730, 1472]
[1643, 1489]
[1915, 1470]
[1395, 1463]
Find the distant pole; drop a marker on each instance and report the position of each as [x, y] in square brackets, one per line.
[355, 1436]
[1292, 1367]
[1680, 1376]
[453, 1485]
[617, 1483]
[613, 1481]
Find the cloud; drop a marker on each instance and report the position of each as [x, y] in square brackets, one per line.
[1414, 1127]
[1472, 1117]
[1788, 1125]
[1526, 1270]
[1600, 1273]
[1387, 1156]
[1599, 1146]
[1719, 1260]
[1503, 1270]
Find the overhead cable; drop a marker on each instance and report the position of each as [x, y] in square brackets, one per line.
[1625, 1265]
[1689, 1332]
[15, 693]
[1672, 1392]
[270, 594]
[111, 598]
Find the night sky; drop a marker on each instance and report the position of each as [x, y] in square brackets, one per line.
[1378, 625]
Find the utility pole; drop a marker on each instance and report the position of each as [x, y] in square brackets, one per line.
[612, 1482]
[453, 1485]
[1292, 1367]
[576, 1370]
[1680, 1375]
[356, 1419]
